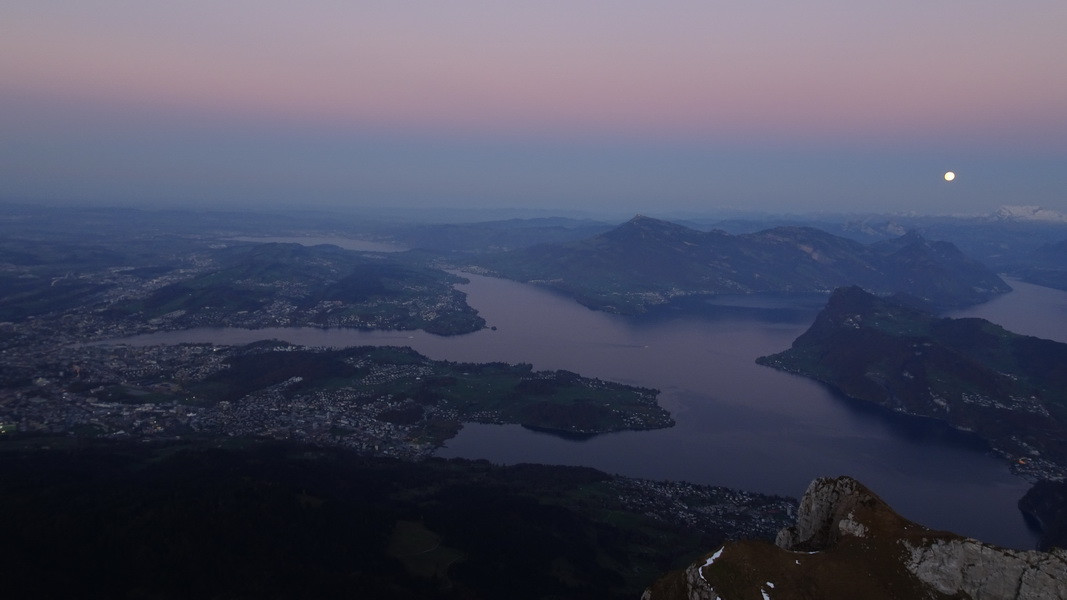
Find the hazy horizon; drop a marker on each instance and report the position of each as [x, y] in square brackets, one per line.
[589, 107]
[444, 214]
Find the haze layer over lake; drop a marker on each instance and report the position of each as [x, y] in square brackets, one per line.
[739, 424]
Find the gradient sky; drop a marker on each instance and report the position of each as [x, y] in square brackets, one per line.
[606, 106]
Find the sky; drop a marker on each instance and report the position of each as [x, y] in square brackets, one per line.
[578, 105]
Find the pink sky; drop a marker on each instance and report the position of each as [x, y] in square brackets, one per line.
[684, 67]
[969, 72]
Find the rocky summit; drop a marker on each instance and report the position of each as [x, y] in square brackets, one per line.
[847, 543]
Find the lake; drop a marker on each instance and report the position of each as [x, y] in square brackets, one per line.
[739, 424]
[340, 242]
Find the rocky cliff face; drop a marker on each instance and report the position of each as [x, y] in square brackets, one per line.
[986, 572]
[848, 543]
[1045, 506]
[827, 511]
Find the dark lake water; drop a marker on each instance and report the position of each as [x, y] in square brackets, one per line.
[739, 424]
[306, 240]
[1029, 309]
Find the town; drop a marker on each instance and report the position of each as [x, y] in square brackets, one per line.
[376, 401]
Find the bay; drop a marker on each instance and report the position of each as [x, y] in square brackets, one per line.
[1029, 309]
[739, 424]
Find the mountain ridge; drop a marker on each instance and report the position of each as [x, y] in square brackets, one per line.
[975, 375]
[647, 261]
[848, 543]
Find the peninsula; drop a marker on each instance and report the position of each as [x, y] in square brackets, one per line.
[1009, 389]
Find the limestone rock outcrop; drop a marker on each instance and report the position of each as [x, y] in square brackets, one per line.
[826, 512]
[986, 572]
[848, 543]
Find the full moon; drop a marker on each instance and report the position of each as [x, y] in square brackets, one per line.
[950, 176]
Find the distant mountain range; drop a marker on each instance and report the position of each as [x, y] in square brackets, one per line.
[647, 261]
[491, 236]
[1008, 388]
[1029, 213]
